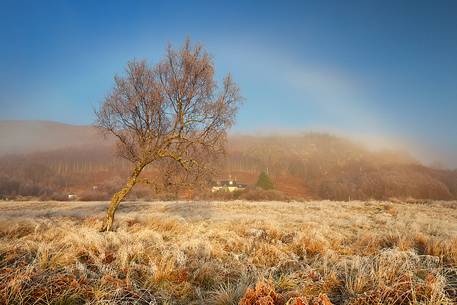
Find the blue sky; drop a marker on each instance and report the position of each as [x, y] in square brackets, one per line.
[381, 71]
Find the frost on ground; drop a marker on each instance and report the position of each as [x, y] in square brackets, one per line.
[317, 252]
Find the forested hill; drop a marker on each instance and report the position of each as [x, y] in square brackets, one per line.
[49, 160]
[327, 166]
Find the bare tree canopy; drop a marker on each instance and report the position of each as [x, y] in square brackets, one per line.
[173, 112]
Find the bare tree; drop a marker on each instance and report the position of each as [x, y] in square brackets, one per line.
[173, 113]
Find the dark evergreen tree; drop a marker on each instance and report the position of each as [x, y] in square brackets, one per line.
[264, 182]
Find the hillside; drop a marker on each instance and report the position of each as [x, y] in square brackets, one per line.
[336, 168]
[49, 159]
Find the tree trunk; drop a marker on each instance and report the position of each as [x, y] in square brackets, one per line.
[118, 197]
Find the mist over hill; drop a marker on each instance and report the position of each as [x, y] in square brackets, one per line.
[22, 137]
[50, 159]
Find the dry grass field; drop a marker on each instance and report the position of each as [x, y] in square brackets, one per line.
[263, 253]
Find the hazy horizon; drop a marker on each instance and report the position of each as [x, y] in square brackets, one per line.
[383, 73]
[18, 135]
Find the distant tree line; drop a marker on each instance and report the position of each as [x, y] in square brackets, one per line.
[327, 167]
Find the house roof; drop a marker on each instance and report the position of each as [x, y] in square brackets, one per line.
[229, 183]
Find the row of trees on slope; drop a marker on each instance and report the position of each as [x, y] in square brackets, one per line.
[361, 174]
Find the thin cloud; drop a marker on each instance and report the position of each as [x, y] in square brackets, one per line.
[338, 95]
[334, 92]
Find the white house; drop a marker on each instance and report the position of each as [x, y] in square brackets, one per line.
[72, 197]
[228, 186]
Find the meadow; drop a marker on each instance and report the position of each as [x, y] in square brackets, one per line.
[235, 252]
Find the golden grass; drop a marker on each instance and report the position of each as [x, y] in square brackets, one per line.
[317, 252]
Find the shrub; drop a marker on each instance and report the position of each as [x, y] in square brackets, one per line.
[264, 195]
[94, 196]
[265, 294]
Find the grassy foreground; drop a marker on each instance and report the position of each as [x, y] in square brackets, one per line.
[318, 252]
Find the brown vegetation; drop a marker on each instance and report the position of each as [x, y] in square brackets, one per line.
[230, 253]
